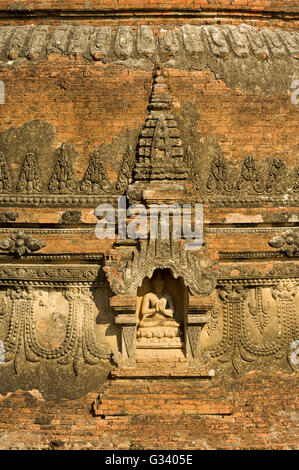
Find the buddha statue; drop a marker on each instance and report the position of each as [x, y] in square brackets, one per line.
[157, 313]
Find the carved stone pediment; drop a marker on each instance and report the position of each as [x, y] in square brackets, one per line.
[126, 273]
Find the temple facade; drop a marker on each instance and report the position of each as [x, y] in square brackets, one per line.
[149, 240]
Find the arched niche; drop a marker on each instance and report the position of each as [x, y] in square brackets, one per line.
[192, 312]
[157, 332]
[175, 287]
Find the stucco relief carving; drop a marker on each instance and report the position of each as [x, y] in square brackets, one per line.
[126, 170]
[52, 325]
[125, 275]
[95, 178]
[8, 217]
[29, 179]
[71, 217]
[287, 242]
[158, 155]
[223, 182]
[100, 43]
[21, 244]
[253, 324]
[5, 179]
[253, 321]
[260, 310]
[265, 177]
[62, 179]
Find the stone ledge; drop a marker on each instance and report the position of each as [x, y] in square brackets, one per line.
[160, 372]
[204, 408]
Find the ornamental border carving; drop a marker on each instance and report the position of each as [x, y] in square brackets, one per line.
[31, 43]
[62, 274]
[79, 345]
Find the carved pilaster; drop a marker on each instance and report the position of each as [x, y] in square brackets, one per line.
[125, 308]
[285, 293]
[198, 314]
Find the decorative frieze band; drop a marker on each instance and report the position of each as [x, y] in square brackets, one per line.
[213, 189]
[125, 43]
[79, 345]
[11, 273]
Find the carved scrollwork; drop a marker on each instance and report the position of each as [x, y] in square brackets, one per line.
[259, 310]
[62, 179]
[20, 244]
[62, 273]
[129, 338]
[29, 179]
[125, 275]
[237, 342]
[126, 170]
[5, 179]
[71, 217]
[13, 347]
[285, 290]
[79, 345]
[8, 217]
[227, 181]
[275, 169]
[233, 293]
[287, 242]
[212, 325]
[250, 175]
[219, 176]
[95, 178]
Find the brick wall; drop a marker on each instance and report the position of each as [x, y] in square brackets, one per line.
[91, 104]
[261, 415]
[265, 5]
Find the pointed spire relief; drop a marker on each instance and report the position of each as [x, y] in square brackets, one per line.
[94, 179]
[29, 180]
[62, 179]
[5, 180]
[160, 153]
[126, 169]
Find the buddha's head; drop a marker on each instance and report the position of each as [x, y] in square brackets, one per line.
[158, 284]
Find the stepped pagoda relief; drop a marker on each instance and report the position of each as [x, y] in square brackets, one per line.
[160, 153]
[149, 225]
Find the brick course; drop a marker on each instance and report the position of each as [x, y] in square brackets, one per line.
[261, 411]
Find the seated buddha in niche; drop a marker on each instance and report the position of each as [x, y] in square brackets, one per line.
[157, 312]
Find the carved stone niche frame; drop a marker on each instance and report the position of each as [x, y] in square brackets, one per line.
[161, 340]
[189, 279]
